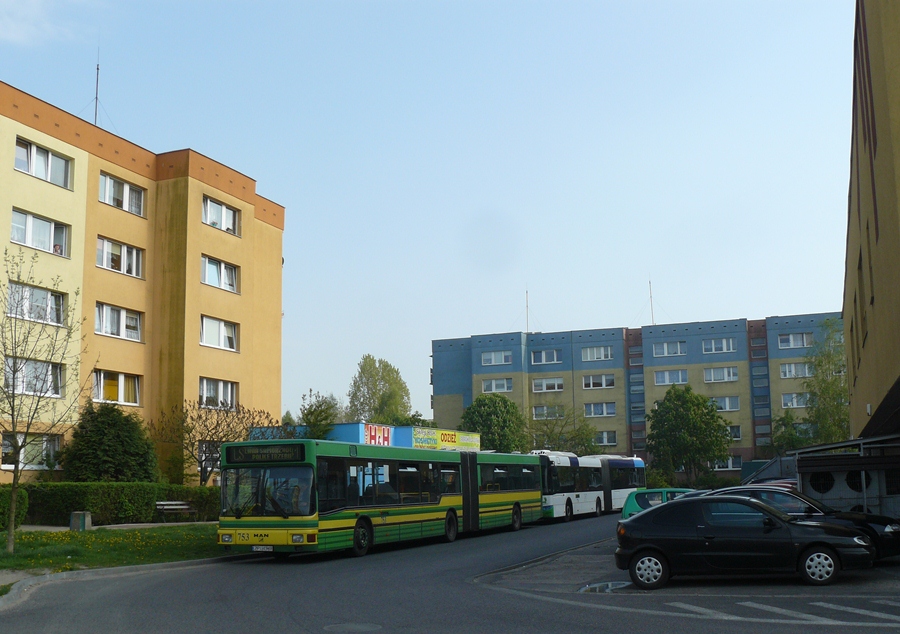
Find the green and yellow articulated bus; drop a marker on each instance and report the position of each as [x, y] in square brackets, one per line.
[304, 496]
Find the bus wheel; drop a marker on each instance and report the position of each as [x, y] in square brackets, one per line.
[569, 513]
[362, 538]
[451, 527]
[599, 508]
[516, 518]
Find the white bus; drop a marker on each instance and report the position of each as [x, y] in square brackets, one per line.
[572, 485]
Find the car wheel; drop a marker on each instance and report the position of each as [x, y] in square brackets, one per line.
[451, 527]
[819, 566]
[649, 571]
[599, 508]
[362, 538]
[569, 513]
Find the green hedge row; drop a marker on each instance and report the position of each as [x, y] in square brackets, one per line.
[21, 506]
[51, 503]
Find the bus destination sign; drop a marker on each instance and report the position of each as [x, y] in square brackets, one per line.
[264, 453]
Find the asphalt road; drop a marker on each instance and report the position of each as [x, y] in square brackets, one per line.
[544, 578]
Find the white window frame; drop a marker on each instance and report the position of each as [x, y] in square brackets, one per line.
[543, 412]
[795, 340]
[229, 218]
[496, 357]
[103, 322]
[720, 375]
[100, 377]
[670, 349]
[489, 386]
[28, 372]
[671, 377]
[552, 355]
[53, 162]
[796, 370]
[222, 271]
[596, 353]
[208, 337]
[794, 400]
[25, 307]
[56, 245]
[606, 438]
[598, 410]
[49, 445]
[107, 194]
[734, 463]
[735, 431]
[598, 381]
[226, 393]
[718, 345]
[727, 403]
[552, 384]
[129, 257]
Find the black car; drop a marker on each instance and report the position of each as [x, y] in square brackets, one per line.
[714, 535]
[882, 530]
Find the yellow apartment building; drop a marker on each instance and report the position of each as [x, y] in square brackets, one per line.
[174, 260]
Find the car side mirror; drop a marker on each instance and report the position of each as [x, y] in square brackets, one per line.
[768, 522]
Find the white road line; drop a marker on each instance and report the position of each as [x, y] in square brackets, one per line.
[704, 611]
[797, 615]
[842, 608]
[886, 602]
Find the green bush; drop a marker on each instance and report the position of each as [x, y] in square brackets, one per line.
[52, 503]
[21, 505]
[711, 480]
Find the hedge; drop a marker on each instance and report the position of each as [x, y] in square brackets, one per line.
[21, 505]
[52, 503]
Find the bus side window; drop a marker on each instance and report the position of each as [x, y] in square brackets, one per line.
[449, 478]
[429, 490]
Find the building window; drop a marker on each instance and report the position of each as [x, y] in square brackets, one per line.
[125, 196]
[547, 385]
[594, 381]
[596, 353]
[639, 433]
[117, 322]
[796, 370]
[795, 340]
[218, 333]
[119, 257]
[539, 357]
[671, 377]
[637, 388]
[760, 382]
[727, 403]
[220, 216]
[733, 463]
[497, 357]
[26, 376]
[218, 274]
[762, 399]
[219, 394]
[762, 412]
[759, 370]
[794, 399]
[636, 350]
[605, 438]
[36, 304]
[42, 163]
[639, 418]
[636, 361]
[735, 431]
[757, 341]
[36, 451]
[116, 387]
[758, 354]
[714, 346]
[593, 410]
[39, 233]
[670, 349]
[718, 375]
[496, 385]
[547, 412]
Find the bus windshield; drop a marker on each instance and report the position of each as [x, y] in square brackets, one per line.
[267, 491]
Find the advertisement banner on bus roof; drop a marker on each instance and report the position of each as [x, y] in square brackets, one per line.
[430, 438]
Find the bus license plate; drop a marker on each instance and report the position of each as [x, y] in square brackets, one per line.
[263, 549]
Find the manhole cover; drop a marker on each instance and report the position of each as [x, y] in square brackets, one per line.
[607, 586]
[352, 627]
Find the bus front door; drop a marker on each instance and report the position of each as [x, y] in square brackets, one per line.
[469, 464]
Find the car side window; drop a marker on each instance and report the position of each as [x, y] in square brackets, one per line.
[682, 515]
[785, 502]
[731, 514]
[646, 500]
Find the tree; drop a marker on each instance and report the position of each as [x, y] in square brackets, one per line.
[499, 421]
[109, 445]
[570, 431]
[789, 435]
[198, 430]
[41, 345]
[377, 391]
[686, 430]
[288, 418]
[318, 414]
[827, 406]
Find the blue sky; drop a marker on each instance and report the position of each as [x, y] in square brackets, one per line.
[436, 159]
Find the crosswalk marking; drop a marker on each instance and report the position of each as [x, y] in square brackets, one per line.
[792, 613]
[886, 602]
[704, 611]
[861, 612]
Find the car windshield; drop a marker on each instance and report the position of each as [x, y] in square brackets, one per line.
[267, 491]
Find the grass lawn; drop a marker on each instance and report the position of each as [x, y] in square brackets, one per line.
[107, 548]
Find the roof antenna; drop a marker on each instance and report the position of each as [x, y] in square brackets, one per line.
[97, 88]
[652, 318]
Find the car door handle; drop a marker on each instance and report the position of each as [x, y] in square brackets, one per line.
[709, 537]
